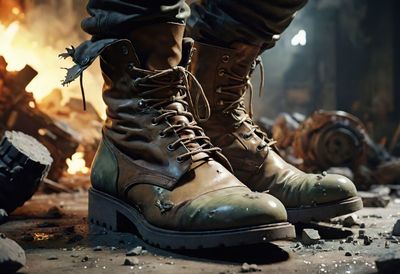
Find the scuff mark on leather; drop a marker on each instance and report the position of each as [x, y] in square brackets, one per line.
[164, 206]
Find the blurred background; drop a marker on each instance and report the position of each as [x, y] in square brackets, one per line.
[336, 55]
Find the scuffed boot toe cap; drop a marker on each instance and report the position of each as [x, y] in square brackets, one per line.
[334, 188]
[232, 208]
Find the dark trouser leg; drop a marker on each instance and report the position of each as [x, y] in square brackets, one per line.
[155, 28]
[117, 18]
[255, 22]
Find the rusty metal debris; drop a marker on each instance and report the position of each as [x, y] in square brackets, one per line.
[335, 140]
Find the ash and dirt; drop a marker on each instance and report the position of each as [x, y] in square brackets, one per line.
[53, 230]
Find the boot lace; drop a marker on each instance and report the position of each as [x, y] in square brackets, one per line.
[237, 107]
[175, 82]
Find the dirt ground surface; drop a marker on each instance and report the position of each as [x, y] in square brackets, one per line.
[54, 232]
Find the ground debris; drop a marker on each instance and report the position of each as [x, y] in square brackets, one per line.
[246, 268]
[374, 199]
[389, 262]
[98, 248]
[135, 251]
[3, 216]
[12, 256]
[310, 236]
[53, 213]
[52, 258]
[350, 220]
[131, 261]
[396, 229]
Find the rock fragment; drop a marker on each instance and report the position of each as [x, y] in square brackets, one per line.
[247, 268]
[135, 251]
[131, 261]
[12, 256]
[367, 240]
[389, 262]
[310, 236]
[97, 248]
[350, 220]
[396, 229]
[3, 216]
[374, 199]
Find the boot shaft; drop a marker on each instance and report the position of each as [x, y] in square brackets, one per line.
[223, 69]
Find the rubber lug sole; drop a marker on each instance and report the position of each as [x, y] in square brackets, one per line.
[324, 212]
[112, 214]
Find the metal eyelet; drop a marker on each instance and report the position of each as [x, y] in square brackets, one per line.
[162, 134]
[221, 72]
[154, 122]
[225, 58]
[141, 103]
[218, 90]
[260, 148]
[246, 136]
[131, 66]
[170, 147]
[220, 103]
[180, 160]
[124, 50]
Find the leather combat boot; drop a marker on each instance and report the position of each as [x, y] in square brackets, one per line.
[157, 169]
[225, 76]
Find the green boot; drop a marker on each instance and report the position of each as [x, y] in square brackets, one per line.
[225, 76]
[155, 166]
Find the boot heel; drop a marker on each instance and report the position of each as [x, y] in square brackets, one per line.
[102, 213]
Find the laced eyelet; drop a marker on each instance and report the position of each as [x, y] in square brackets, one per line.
[154, 122]
[260, 148]
[218, 90]
[124, 50]
[225, 58]
[221, 72]
[246, 136]
[141, 103]
[131, 66]
[170, 147]
[180, 160]
[220, 103]
[162, 134]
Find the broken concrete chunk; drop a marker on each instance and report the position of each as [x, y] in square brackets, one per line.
[12, 256]
[396, 229]
[350, 220]
[310, 236]
[389, 262]
[246, 268]
[135, 252]
[374, 200]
